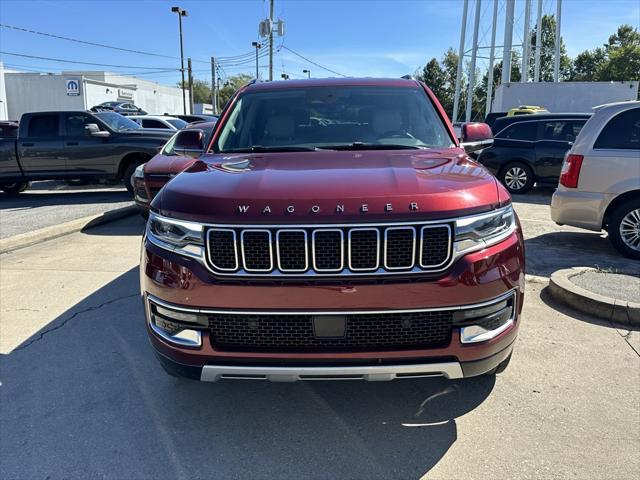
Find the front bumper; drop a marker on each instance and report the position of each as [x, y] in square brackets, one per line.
[475, 279]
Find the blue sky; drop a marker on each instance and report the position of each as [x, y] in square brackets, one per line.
[355, 38]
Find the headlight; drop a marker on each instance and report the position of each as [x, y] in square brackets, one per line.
[180, 236]
[139, 171]
[480, 231]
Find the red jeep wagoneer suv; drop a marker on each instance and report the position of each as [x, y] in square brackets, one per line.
[336, 229]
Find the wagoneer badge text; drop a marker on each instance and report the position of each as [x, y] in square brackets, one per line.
[364, 208]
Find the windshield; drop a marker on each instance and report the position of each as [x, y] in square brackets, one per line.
[117, 122]
[358, 117]
[176, 122]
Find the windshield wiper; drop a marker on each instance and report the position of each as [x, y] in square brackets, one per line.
[261, 148]
[371, 146]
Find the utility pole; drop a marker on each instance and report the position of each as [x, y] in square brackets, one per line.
[270, 40]
[217, 100]
[536, 66]
[181, 13]
[508, 40]
[308, 72]
[525, 42]
[214, 94]
[472, 67]
[456, 97]
[190, 86]
[492, 53]
[556, 65]
[257, 46]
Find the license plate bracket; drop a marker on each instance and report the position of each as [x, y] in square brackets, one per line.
[329, 326]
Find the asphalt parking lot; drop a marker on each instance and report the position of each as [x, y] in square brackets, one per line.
[83, 397]
[54, 202]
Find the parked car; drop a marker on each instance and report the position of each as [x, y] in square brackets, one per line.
[334, 229]
[529, 149]
[180, 152]
[196, 117]
[492, 117]
[122, 108]
[158, 121]
[600, 182]
[75, 145]
[526, 110]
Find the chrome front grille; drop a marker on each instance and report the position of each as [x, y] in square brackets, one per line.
[329, 250]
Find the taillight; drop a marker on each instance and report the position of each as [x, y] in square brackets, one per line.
[571, 171]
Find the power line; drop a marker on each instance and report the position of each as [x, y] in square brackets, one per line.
[94, 44]
[79, 62]
[312, 62]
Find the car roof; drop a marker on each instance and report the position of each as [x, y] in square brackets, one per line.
[204, 125]
[333, 82]
[154, 117]
[503, 122]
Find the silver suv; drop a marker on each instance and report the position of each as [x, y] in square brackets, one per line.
[600, 180]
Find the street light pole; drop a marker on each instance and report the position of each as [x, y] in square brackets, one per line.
[308, 72]
[257, 46]
[181, 13]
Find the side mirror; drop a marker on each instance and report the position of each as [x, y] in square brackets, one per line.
[189, 143]
[92, 130]
[475, 136]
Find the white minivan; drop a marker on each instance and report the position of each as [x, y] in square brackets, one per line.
[600, 180]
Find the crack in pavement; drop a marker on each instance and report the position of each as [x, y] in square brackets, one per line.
[65, 321]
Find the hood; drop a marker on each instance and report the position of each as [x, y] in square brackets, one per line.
[166, 165]
[330, 186]
[163, 133]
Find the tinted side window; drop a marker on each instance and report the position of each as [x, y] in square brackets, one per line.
[622, 132]
[43, 126]
[561, 131]
[75, 122]
[520, 131]
[148, 123]
[8, 131]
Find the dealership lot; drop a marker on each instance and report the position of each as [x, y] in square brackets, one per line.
[83, 396]
[53, 202]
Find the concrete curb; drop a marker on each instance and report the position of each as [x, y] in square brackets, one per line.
[564, 290]
[23, 240]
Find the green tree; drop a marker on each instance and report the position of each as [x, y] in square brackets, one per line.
[201, 91]
[623, 56]
[547, 52]
[230, 86]
[440, 77]
[587, 65]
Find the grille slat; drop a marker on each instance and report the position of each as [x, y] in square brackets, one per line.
[329, 250]
[295, 333]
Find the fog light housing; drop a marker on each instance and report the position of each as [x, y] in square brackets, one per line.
[180, 328]
[484, 323]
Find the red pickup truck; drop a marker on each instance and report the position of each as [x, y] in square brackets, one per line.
[335, 229]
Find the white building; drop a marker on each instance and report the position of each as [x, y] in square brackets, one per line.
[81, 90]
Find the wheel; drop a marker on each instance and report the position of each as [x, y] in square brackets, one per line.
[14, 188]
[501, 367]
[127, 177]
[517, 177]
[624, 228]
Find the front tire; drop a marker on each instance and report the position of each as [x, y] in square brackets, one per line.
[517, 177]
[127, 177]
[502, 366]
[624, 228]
[14, 188]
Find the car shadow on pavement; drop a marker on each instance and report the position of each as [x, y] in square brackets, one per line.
[131, 226]
[565, 309]
[86, 398]
[553, 251]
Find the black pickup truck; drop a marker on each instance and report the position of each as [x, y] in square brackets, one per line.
[75, 145]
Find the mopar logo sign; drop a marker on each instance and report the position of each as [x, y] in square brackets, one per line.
[73, 87]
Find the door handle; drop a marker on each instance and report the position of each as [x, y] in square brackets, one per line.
[72, 143]
[27, 144]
